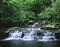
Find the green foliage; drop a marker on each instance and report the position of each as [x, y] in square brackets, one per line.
[57, 8]
[26, 10]
[48, 13]
[51, 14]
[22, 16]
[26, 16]
[40, 5]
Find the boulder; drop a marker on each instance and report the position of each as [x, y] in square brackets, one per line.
[3, 35]
[57, 35]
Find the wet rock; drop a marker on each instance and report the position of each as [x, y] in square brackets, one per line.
[57, 35]
[3, 35]
[31, 22]
[12, 29]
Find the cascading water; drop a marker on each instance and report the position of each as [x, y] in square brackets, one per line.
[48, 36]
[14, 35]
[31, 34]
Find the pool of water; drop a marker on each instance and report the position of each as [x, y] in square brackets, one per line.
[20, 43]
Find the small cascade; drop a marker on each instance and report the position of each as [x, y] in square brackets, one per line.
[48, 36]
[14, 35]
[35, 24]
[31, 34]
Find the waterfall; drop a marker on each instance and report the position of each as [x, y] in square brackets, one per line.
[31, 34]
[16, 34]
[48, 36]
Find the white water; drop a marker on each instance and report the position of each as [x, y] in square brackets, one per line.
[16, 34]
[47, 36]
[32, 35]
